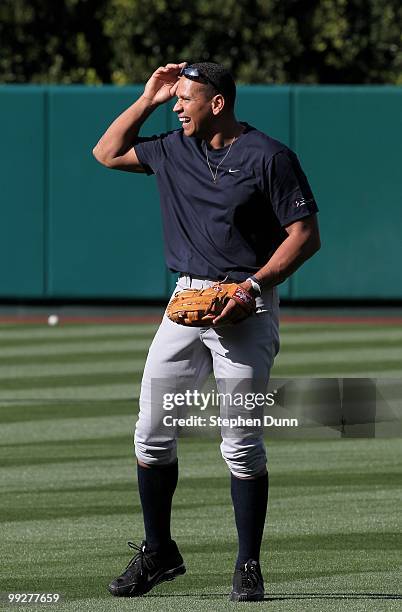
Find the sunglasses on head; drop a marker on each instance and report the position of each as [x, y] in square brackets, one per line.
[193, 73]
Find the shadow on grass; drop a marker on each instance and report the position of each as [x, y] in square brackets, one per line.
[289, 596]
[349, 596]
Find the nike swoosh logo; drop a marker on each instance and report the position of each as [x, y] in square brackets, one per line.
[232, 171]
[149, 578]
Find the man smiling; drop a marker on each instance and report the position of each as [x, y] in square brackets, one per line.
[237, 207]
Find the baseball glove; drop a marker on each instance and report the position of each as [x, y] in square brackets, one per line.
[198, 307]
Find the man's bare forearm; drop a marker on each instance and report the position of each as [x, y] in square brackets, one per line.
[302, 242]
[121, 134]
[285, 261]
[114, 149]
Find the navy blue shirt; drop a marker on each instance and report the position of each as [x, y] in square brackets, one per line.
[231, 227]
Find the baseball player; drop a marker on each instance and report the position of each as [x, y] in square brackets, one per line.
[236, 207]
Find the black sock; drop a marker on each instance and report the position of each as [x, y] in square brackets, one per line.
[250, 499]
[156, 486]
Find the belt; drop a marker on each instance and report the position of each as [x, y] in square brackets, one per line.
[197, 277]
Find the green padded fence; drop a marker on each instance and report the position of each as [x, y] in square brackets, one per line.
[70, 228]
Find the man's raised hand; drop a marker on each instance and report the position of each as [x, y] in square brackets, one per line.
[163, 83]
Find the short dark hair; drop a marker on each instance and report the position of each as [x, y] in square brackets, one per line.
[220, 80]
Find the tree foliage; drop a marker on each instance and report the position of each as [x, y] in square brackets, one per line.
[261, 41]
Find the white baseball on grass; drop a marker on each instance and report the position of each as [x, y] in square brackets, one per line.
[52, 320]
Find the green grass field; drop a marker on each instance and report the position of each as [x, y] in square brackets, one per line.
[69, 500]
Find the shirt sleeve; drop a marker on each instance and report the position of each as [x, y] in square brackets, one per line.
[288, 189]
[151, 152]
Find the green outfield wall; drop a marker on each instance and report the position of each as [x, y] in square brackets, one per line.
[72, 229]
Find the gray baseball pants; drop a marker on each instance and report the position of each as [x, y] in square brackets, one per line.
[179, 358]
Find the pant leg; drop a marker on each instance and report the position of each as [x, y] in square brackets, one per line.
[243, 355]
[177, 360]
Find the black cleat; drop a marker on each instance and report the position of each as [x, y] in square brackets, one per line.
[146, 570]
[248, 583]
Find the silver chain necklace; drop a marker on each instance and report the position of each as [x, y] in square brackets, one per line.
[215, 175]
